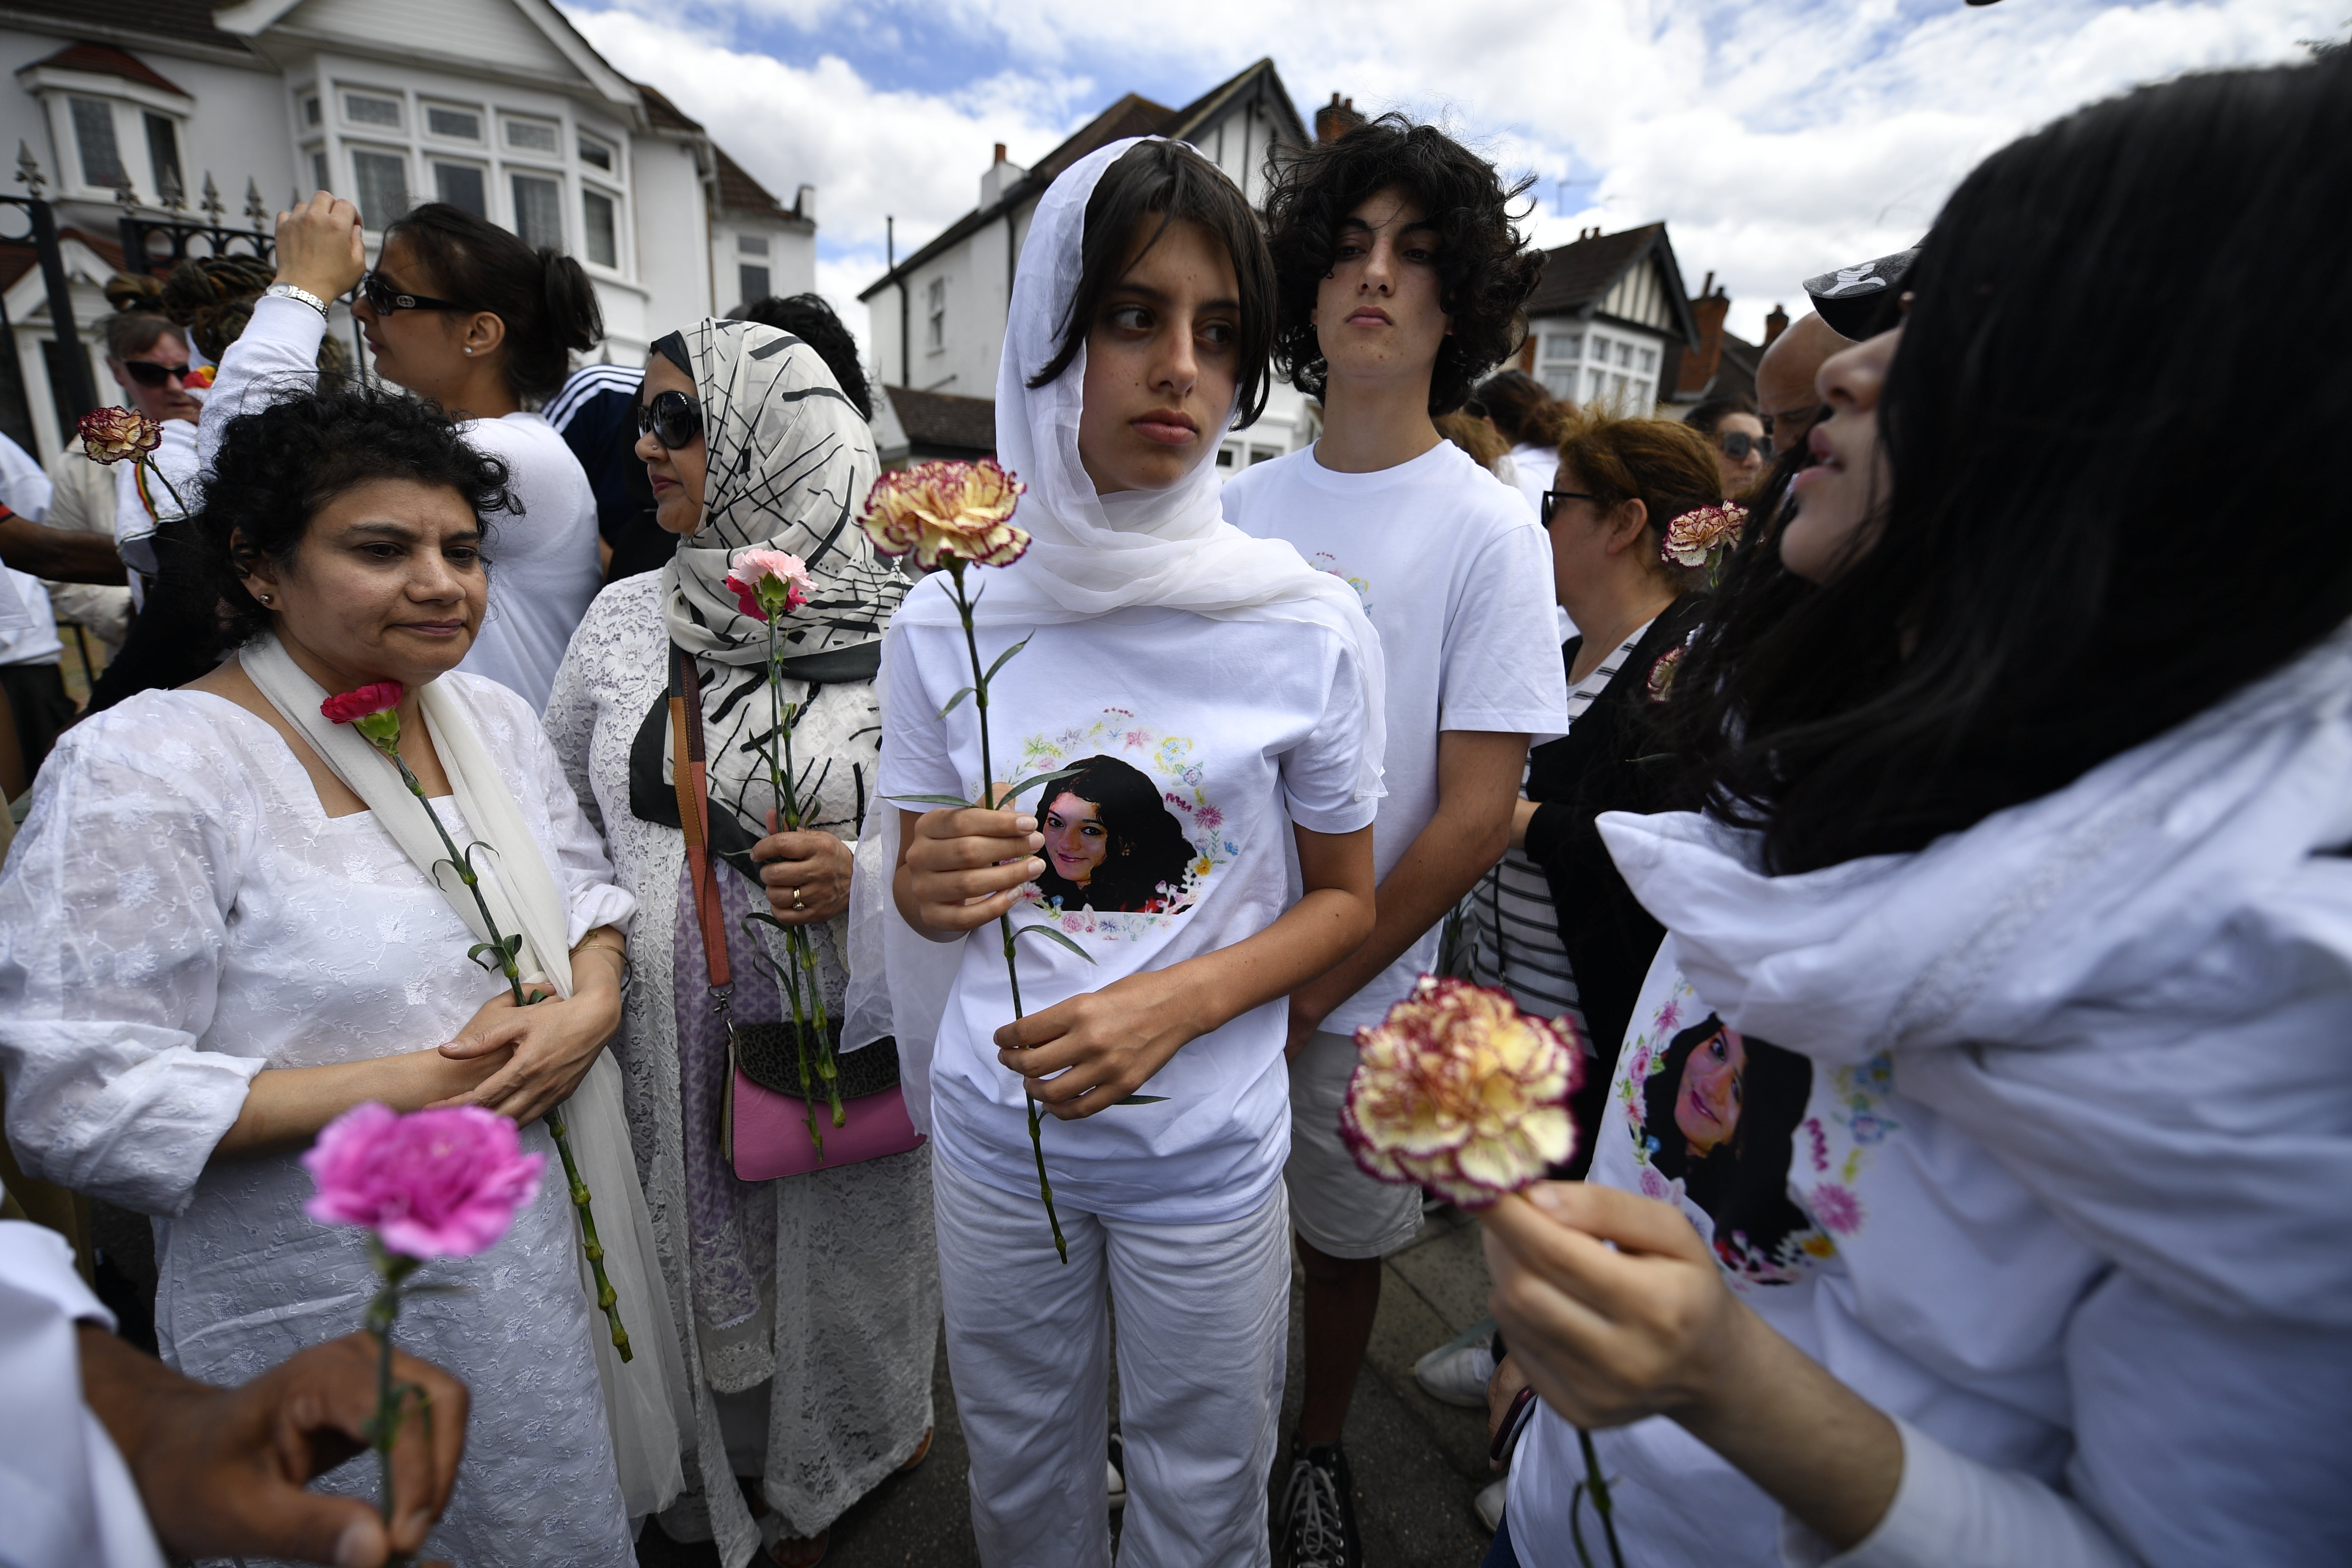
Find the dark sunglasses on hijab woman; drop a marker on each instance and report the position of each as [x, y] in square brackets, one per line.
[673, 418]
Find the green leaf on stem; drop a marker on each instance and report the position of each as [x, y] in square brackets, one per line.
[1000, 658]
[1047, 931]
[487, 954]
[930, 800]
[1013, 790]
[1142, 1099]
[952, 702]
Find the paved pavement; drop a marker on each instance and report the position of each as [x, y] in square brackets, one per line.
[1417, 1463]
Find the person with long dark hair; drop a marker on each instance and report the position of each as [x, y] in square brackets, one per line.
[2024, 750]
[1141, 312]
[1529, 420]
[467, 316]
[1110, 845]
[227, 924]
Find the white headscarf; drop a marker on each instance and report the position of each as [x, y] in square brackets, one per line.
[1170, 548]
[1089, 554]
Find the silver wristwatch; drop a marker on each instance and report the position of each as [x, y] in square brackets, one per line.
[289, 291]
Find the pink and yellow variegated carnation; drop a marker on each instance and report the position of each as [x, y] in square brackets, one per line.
[111, 435]
[769, 582]
[1701, 532]
[1459, 1091]
[946, 511]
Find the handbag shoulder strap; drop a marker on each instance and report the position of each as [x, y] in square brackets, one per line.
[687, 769]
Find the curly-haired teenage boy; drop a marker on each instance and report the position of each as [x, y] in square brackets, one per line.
[1399, 282]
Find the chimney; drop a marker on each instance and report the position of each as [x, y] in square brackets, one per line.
[1336, 119]
[1775, 324]
[804, 203]
[1699, 365]
[1002, 176]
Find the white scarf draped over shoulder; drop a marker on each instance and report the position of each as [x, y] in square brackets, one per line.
[1089, 554]
[644, 1398]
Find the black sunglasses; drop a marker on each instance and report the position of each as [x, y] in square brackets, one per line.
[147, 373]
[385, 298]
[673, 418]
[1553, 498]
[1738, 443]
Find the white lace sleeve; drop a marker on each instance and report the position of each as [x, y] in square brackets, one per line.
[570, 717]
[112, 921]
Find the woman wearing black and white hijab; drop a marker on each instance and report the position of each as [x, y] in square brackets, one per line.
[814, 1302]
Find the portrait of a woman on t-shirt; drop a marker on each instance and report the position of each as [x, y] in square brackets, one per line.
[1111, 845]
[1719, 1110]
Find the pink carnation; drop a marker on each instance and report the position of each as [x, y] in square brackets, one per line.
[346, 706]
[433, 1184]
[769, 582]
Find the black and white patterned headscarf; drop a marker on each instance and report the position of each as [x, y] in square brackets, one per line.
[789, 463]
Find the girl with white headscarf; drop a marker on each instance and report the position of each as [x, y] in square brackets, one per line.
[1197, 673]
[808, 1307]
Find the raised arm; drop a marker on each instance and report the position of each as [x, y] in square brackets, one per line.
[319, 251]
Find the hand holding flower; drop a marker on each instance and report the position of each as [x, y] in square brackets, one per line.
[1083, 1054]
[807, 875]
[962, 867]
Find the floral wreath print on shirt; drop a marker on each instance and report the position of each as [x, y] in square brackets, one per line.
[1131, 837]
[1323, 561]
[1855, 1101]
[1715, 1118]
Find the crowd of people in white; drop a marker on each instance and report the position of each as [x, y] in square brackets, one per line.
[1945, 873]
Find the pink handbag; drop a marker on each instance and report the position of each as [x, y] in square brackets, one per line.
[763, 1129]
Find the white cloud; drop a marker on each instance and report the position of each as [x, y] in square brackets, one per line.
[1775, 139]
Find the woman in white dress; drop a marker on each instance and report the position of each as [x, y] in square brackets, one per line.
[461, 313]
[814, 1300]
[214, 939]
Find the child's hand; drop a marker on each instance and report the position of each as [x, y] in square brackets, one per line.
[1110, 1041]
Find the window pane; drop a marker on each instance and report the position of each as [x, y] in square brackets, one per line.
[1562, 345]
[461, 186]
[1649, 360]
[1624, 355]
[361, 108]
[539, 211]
[459, 123]
[310, 112]
[101, 161]
[753, 283]
[1617, 388]
[530, 135]
[163, 152]
[751, 244]
[597, 228]
[1561, 385]
[594, 151]
[380, 186]
[318, 181]
[1592, 385]
[1225, 456]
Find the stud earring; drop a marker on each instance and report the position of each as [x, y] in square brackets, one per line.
[265, 599]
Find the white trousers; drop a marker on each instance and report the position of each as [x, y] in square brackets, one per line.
[1202, 1317]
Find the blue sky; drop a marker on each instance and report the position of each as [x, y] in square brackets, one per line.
[1776, 139]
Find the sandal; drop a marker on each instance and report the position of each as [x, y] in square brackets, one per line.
[922, 1451]
[799, 1551]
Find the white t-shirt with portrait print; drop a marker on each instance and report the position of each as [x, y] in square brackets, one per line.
[1232, 731]
[1455, 574]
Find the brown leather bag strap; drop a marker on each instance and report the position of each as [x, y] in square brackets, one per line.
[687, 766]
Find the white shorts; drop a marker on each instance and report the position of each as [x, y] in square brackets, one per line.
[1333, 1206]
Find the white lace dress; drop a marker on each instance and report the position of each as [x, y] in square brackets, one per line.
[179, 914]
[824, 1288]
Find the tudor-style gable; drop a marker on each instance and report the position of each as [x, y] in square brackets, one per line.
[1609, 315]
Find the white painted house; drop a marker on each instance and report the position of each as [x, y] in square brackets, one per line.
[499, 106]
[936, 319]
[1610, 321]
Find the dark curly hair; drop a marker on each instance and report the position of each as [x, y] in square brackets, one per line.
[808, 317]
[278, 467]
[1486, 271]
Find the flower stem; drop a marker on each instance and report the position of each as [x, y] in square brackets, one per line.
[590, 1247]
[1597, 1486]
[152, 468]
[383, 1432]
[1012, 966]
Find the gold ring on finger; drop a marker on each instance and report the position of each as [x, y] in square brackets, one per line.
[796, 899]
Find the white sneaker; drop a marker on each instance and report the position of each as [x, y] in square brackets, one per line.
[1457, 1373]
[1489, 1504]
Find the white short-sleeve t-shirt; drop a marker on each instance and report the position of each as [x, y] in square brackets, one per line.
[1201, 741]
[1455, 574]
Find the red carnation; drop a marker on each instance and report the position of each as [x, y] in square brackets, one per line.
[346, 706]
